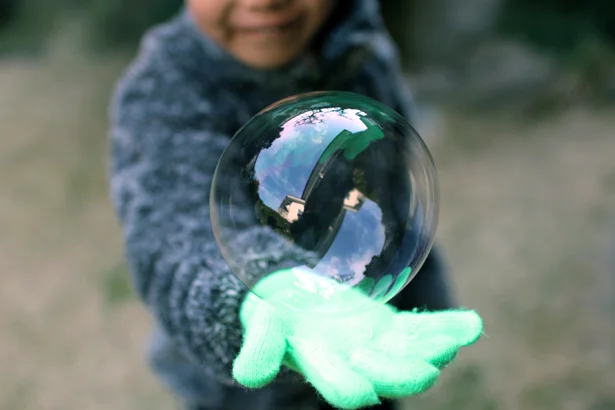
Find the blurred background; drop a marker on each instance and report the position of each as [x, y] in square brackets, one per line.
[517, 102]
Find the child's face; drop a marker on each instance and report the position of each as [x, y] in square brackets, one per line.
[261, 33]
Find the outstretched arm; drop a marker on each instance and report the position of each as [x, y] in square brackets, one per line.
[163, 156]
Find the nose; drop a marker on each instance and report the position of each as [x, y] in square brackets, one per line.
[265, 5]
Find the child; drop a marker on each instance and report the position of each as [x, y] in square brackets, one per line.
[197, 79]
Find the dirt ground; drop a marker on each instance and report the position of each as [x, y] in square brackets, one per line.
[526, 212]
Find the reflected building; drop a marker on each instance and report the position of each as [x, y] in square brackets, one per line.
[292, 207]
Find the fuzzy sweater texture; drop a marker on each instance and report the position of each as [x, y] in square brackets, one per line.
[174, 111]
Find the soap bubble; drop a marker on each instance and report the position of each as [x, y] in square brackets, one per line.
[336, 188]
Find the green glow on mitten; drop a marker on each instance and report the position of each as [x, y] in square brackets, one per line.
[351, 360]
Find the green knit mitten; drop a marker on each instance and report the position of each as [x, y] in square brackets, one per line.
[352, 360]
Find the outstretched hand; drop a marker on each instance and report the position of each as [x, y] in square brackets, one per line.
[352, 360]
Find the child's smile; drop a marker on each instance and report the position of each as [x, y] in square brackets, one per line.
[277, 30]
[263, 34]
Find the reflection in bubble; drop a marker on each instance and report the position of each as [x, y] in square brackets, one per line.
[285, 167]
[293, 166]
[338, 184]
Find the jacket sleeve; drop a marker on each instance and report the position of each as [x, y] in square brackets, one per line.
[163, 155]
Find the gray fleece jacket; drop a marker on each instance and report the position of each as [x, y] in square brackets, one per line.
[173, 112]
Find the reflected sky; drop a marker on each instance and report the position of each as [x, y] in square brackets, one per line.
[284, 169]
[360, 238]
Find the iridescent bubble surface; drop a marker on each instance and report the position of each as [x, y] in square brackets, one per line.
[330, 183]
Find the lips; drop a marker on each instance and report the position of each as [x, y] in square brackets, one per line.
[268, 27]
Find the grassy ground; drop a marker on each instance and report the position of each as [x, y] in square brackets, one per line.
[525, 212]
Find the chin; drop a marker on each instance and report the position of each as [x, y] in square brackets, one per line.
[266, 61]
